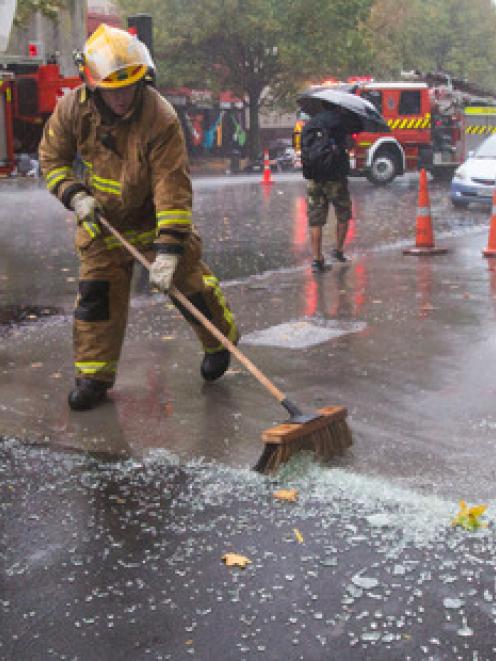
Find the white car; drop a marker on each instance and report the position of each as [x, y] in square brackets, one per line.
[474, 179]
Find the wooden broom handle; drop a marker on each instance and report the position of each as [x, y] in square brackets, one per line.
[175, 293]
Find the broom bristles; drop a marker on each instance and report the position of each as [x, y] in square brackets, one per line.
[326, 436]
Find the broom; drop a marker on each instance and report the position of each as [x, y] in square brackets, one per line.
[324, 431]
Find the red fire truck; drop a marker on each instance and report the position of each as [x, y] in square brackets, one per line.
[432, 125]
[26, 100]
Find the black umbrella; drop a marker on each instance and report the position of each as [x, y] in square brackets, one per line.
[365, 114]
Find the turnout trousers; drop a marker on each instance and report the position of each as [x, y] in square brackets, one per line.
[101, 310]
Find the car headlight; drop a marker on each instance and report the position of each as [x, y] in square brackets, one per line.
[460, 175]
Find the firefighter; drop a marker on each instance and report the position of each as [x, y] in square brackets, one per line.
[128, 140]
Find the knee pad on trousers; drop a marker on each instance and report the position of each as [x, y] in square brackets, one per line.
[199, 302]
[93, 302]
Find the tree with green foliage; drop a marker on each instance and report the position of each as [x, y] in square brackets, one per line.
[26, 8]
[249, 46]
[454, 36]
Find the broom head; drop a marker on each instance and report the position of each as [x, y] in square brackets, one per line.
[326, 434]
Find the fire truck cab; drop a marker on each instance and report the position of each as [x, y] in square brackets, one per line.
[432, 127]
[406, 107]
[428, 128]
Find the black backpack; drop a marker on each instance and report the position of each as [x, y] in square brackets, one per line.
[319, 154]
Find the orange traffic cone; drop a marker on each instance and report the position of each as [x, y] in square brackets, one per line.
[267, 174]
[490, 251]
[424, 242]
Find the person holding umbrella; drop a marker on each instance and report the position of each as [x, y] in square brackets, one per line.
[334, 115]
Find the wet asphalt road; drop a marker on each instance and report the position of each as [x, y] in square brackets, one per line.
[247, 229]
[115, 552]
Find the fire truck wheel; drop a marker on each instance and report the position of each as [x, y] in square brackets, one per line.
[384, 169]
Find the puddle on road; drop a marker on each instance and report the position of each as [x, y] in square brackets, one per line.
[302, 334]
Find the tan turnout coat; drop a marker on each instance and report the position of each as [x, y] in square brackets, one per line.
[142, 181]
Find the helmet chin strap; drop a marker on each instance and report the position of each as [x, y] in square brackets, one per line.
[78, 57]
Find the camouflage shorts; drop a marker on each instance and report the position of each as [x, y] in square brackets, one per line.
[320, 194]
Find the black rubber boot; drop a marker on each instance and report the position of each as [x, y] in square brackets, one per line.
[215, 364]
[318, 266]
[87, 394]
[339, 256]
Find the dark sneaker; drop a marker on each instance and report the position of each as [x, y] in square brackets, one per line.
[339, 256]
[215, 364]
[318, 266]
[87, 394]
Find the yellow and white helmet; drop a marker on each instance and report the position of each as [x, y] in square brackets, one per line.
[114, 58]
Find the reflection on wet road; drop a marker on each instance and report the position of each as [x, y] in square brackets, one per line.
[247, 229]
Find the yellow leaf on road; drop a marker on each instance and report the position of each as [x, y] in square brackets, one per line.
[235, 560]
[286, 494]
[298, 535]
[469, 517]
